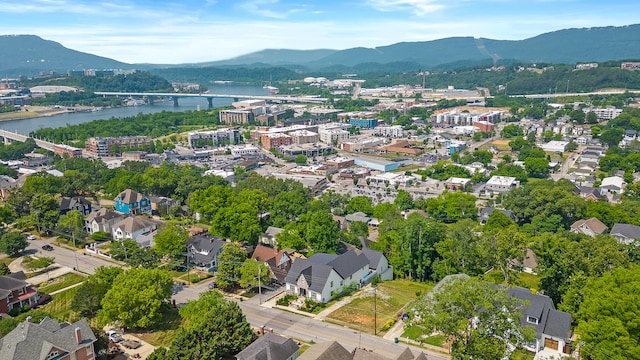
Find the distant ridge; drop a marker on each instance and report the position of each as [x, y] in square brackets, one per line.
[29, 54]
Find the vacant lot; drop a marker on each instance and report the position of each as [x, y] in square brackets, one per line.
[388, 302]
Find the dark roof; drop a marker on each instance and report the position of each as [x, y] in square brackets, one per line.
[315, 274]
[129, 196]
[626, 230]
[269, 347]
[326, 351]
[67, 203]
[204, 248]
[487, 211]
[550, 321]
[31, 341]
[11, 282]
[348, 263]
[103, 215]
[364, 354]
[406, 354]
[373, 256]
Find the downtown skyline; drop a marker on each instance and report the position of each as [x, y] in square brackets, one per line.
[190, 31]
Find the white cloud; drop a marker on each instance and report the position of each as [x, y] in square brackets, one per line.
[418, 7]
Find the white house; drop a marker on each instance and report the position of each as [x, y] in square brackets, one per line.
[137, 228]
[613, 185]
[323, 276]
[555, 146]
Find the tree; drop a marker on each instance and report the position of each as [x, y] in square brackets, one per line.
[536, 167]
[4, 269]
[459, 251]
[498, 220]
[253, 273]
[230, 260]
[72, 223]
[403, 200]
[13, 243]
[505, 249]
[300, 159]
[612, 137]
[481, 321]
[591, 118]
[360, 204]
[88, 296]
[137, 299]
[216, 329]
[171, 240]
[511, 131]
[607, 319]
[130, 252]
[290, 238]
[453, 206]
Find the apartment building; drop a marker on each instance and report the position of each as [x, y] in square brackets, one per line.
[102, 146]
[213, 138]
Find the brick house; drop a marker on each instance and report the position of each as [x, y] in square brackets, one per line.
[15, 292]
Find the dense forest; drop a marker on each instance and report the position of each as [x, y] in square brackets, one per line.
[135, 82]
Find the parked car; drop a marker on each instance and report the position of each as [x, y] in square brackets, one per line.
[114, 336]
[212, 285]
[131, 344]
[44, 299]
[47, 247]
[31, 237]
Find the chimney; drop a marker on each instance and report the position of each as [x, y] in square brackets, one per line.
[29, 319]
[78, 336]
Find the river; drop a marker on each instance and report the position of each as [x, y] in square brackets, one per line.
[25, 126]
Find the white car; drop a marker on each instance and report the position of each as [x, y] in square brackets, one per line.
[31, 237]
[114, 336]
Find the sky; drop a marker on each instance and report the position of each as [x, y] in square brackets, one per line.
[191, 31]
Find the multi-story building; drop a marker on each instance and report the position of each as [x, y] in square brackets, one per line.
[213, 138]
[394, 131]
[630, 65]
[304, 137]
[274, 140]
[333, 135]
[104, 146]
[16, 292]
[247, 150]
[67, 151]
[364, 123]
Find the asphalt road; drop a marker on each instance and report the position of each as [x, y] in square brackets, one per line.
[66, 257]
[305, 328]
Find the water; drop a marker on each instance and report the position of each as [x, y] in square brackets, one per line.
[25, 126]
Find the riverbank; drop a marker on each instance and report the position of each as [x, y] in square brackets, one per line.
[30, 112]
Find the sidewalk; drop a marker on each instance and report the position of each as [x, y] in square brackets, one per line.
[56, 271]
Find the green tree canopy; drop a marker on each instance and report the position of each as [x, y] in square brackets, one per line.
[13, 243]
[171, 240]
[89, 295]
[138, 298]
[230, 260]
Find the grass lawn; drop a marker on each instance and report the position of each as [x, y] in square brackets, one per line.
[61, 282]
[60, 307]
[7, 260]
[166, 330]
[392, 297]
[435, 340]
[413, 332]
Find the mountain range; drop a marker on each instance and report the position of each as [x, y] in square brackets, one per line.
[30, 54]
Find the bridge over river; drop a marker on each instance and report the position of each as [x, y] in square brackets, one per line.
[210, 96]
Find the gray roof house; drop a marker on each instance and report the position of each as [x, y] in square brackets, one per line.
[323, 276]
[78, 203]
[487, 211]
[378, 265]
[49, 340]
[270, 347]
[335, 351]
[625, 233]
[102, 220]
[553, 327]
[203, 252]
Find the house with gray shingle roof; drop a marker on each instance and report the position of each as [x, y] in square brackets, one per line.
[322, 276]
[15, 292]
[270, 347]
[102, 220]
[138, 228]
[553, 327]
[203, 251]
[132, 202]
[49, 340]
[625, 233]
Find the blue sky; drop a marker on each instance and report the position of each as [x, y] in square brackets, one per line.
[172, 32]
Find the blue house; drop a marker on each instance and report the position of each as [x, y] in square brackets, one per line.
[131, 202]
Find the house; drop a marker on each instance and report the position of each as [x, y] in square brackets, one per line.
[6, 184]
[590, 193]
[15, 292]
[612, 185]
[137, 228]
[102, 220]
[378, 265]
[553, 327]
[77, 203]
[486, 212]
[591, 227]
[357, 217]
[270, 347]
[625, 233]
[269, 236]
[322, 276]
[203, 252]
[131, 202]
[161, 204]
[279, 262]
[49, 340]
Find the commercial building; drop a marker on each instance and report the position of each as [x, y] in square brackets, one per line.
[242, 151]
[555, 146]
[501, 183]
[274, 140]
[332, 136]
[630, 66]
[67, 151]
[381, 164]
[364, 123]
[388, 131]
[304, 137]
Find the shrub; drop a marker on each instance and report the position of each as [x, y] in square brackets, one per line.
[285, 300]
[388, 325]
[14, 312]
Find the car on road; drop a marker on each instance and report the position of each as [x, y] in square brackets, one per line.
[47, 247]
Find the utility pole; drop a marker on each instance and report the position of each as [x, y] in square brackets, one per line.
[188, 275]
[75, 250]
[259, 284]
[375, 311]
